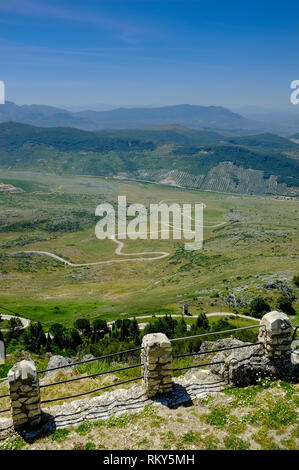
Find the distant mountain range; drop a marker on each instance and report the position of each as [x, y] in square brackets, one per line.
[169, 154]
[214, 117]
[279, 120]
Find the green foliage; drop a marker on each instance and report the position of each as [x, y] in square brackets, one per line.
[108, 153]
[258, 307]
[121, 421]
[189, 437]
[279, 414]
[34, 337]
[59, 435]
[296, 280]
[235, 443]
[90, 446]
[84, 428]
[14, 444]
[83, 325]
[219, 417]
[284, 304]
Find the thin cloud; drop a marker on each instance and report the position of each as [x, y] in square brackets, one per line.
[126, 30]
[45, 52]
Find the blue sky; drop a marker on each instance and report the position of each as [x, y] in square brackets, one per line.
[210, 52]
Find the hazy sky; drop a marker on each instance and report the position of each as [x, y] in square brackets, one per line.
[224, 52]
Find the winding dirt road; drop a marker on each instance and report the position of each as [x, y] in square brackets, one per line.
[25, 321]
[212, 314]
[118, 251]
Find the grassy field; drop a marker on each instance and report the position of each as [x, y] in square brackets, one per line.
[257, 243]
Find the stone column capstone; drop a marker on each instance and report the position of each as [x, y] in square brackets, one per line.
[156, 357]
[276, 335]
[24, 394]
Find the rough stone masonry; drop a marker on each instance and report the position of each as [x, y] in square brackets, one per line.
[156, 357]
[276, 334]
[272, 359]
[24, 394]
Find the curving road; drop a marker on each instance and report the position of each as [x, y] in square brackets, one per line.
[25, 321]
[212, 314]
[118, 251]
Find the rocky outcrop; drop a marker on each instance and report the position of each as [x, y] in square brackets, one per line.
[9, 188]
[58, 361]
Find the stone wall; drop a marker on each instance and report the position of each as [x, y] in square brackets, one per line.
[245, 366]
[271, 360]
[156, 357]
[24, 394]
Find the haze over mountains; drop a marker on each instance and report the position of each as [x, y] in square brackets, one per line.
[193, 116]
[98, 117]
[200, 147]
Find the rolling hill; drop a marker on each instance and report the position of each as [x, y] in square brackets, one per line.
[170, 155]
[127, 118]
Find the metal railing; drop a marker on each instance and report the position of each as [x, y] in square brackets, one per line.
[91, 391]
[78, 363]
[89, 376]
[217, 332]
[120, 353]
[211, 333]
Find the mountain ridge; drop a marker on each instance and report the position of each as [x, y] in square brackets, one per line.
[193, 116]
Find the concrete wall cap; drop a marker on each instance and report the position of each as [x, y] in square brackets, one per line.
[276, 321]
[22, 370]
[155, 339]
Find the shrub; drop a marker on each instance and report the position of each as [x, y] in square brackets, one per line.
[284, 304]
[296, 280]
[258, 307]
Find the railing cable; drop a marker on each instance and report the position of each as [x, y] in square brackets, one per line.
[91, 391]
[198, 353]
[216, 332]
[119, 353]
[89, 376]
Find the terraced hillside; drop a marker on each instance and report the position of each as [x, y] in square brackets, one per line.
[226, 177]
[173, 155]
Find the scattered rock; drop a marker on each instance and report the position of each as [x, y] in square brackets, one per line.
[87, 357]
[58, 361]
[9, 188]
[110, 379]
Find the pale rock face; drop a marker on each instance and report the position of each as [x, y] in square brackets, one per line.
[58, 361]
[276, 322]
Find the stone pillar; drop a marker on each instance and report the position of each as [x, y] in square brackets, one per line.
[276, 335]
[185, 309]
[24, 394]
[156, 357]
